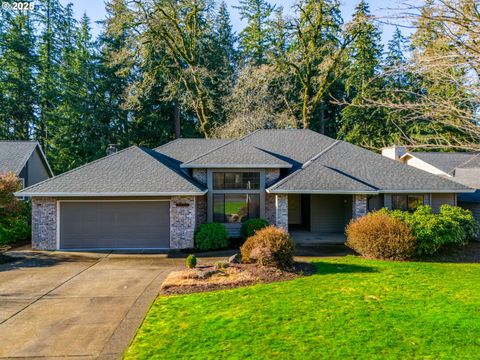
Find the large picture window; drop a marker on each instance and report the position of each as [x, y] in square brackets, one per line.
[236, 181]
[406, 202]
[235, 208]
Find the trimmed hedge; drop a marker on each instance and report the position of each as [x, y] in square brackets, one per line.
[270, 246]
[250, 226]
[211, 236]
[381, 236]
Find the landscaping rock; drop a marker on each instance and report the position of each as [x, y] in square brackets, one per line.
[235, 259]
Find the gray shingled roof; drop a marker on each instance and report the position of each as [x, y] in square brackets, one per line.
[183, 150]
[448, 161]
[15, 154]
[237, 154]
[130, 172]
[296, 146]
[354, 169]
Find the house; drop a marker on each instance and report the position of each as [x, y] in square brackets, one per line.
[26, 160]
[461, 167]
[299, 179]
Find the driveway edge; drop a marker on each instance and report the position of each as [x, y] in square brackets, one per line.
[126, 330]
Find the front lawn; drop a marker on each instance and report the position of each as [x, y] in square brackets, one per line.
[352, 308]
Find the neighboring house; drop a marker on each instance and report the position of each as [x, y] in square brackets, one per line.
[301, 180]
[26, 160]
[462, 167]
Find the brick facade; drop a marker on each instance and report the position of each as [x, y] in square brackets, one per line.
[359, 206]
[270, 210]
[44, 224]
[182, 221]
[281, 213]
[201, 210]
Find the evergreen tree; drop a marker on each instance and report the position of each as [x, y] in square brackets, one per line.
[80, 134]
[364, 125]
[116, 71]
[223, 60]
[51, 21]
[255, 38]
[17, 82]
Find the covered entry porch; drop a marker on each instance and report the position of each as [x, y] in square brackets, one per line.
[316, 219]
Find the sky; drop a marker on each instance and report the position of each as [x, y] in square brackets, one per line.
[95, 10]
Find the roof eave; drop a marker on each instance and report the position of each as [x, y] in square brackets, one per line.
[367, 192]
[311, 191]
[100, 194]
[437, 191]
[235, 166]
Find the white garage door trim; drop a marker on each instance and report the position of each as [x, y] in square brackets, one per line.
[83, 201]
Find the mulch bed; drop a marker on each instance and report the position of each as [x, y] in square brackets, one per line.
[255, 273]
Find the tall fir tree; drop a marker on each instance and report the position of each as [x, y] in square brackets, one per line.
[116, 71]
[50, 23]
[17, 82]
[255, 38]
[364, 125]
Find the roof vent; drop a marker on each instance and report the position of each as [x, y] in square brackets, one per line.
[111, 149]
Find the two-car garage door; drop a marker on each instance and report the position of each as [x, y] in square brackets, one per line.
[114, 225]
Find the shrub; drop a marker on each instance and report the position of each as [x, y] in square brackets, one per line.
[211, 236]
[249, 227]
[14, 214]
[452, 225]
[191, 261]
[382, 236]
[220, 265]
[269, 246]
[464, 218]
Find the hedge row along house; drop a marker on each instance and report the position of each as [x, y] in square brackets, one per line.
[461, 167]
[306, 182]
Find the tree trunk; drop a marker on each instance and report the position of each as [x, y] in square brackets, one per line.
[176, 110]
[322, 119]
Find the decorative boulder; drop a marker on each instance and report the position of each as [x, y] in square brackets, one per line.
[235, 259]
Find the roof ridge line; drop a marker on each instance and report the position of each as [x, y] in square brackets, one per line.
[209, 151]
[80, 167]
[245, 136]
[306, 164]
[328, 148]
[173, 167]
[464, 163]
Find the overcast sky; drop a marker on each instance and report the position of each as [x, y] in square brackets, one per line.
[95, 10]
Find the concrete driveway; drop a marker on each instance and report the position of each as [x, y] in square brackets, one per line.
[76, 305]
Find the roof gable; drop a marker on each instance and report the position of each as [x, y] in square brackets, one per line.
[363, 171]
[130, 172]
[448, 161]
[15, 154]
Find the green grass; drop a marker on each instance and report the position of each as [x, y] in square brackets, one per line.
[352, 308]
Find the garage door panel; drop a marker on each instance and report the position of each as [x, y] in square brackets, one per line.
[114, 225]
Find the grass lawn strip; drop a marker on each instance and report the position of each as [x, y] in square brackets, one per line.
[352, 307]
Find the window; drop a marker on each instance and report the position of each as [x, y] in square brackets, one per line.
[236, 180]
[406, 202]
[235, 208]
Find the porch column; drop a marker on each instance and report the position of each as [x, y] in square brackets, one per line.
[281, 211]
[359, 206]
